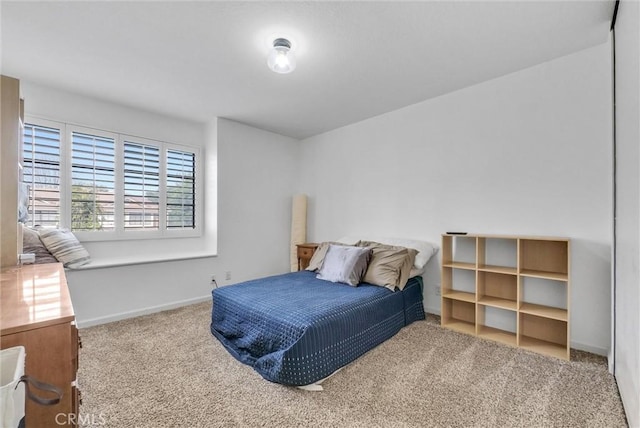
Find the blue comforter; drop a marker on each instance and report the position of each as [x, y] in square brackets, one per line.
[295, 329]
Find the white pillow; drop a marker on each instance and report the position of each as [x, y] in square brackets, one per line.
[425, 249]
[345, 264]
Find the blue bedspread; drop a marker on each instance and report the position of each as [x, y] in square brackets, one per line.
[295, 329]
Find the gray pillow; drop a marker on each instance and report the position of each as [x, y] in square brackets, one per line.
[65, 247]
[345, 264]
[318, 256]
[31, 243]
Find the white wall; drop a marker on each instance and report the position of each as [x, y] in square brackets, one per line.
[627, 300]
[249, 177]
[527, 153]
[256, 175]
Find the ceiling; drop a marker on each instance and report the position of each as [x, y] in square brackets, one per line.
[199, 60]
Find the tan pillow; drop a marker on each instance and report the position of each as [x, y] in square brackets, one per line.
[389, 265]
[405, 270]
[317, 259]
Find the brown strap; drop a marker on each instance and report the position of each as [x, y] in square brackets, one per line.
[29, 381]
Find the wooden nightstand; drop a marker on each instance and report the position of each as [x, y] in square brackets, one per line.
[305, 252]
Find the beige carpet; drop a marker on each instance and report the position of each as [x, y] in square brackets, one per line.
[166, 370]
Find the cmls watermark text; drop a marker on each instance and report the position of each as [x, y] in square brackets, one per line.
[89, 419]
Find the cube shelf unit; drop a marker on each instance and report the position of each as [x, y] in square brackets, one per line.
[526, 266]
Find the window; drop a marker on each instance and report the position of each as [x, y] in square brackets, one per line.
[92, 182]
[118, 186]
[181, 195]
[41, 172]
[141, 186]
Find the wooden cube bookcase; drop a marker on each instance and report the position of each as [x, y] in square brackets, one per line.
[503, 288]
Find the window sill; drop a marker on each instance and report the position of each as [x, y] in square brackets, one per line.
[116, 262]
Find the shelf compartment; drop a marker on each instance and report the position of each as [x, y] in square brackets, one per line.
[498, 290]
[544, 347]
[544, 297]
[498, 254]
[497, 324]
[458, 280]
[544, 258]
[544, 311]
[459, 251]
[459, 295]
[459, 315]
[497, 302]
[497, 335]
[498, 269]
[460, 265]
[556, 276]
[461, 326]
[544, 335]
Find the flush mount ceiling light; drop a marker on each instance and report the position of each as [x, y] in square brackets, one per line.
[281, 58]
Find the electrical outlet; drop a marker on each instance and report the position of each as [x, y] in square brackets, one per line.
[227, 275]
[437, 287]
[213, 278]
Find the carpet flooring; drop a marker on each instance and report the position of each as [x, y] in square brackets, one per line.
[166, 370]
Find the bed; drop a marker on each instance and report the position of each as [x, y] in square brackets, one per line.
[296, 329]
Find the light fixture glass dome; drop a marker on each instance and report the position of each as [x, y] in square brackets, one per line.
[281, 59]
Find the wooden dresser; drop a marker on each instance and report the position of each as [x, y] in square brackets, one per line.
[36, 312]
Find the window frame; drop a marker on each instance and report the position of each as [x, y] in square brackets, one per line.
[119, 232]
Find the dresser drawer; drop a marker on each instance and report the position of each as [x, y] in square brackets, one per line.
[305, 253]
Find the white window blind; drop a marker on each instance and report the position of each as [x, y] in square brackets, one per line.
[181, 189]
[141, 186]
[41, 172]
[92, 182]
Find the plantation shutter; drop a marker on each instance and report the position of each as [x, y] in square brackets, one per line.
[92, 182]
[141, 186]
[41, 172]
[181, 189]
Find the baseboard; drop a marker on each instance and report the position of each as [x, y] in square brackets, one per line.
[590, 348]
[139, 312]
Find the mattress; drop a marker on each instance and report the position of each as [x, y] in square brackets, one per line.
[295, 329]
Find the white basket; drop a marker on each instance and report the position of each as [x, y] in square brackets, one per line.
[11, 389]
